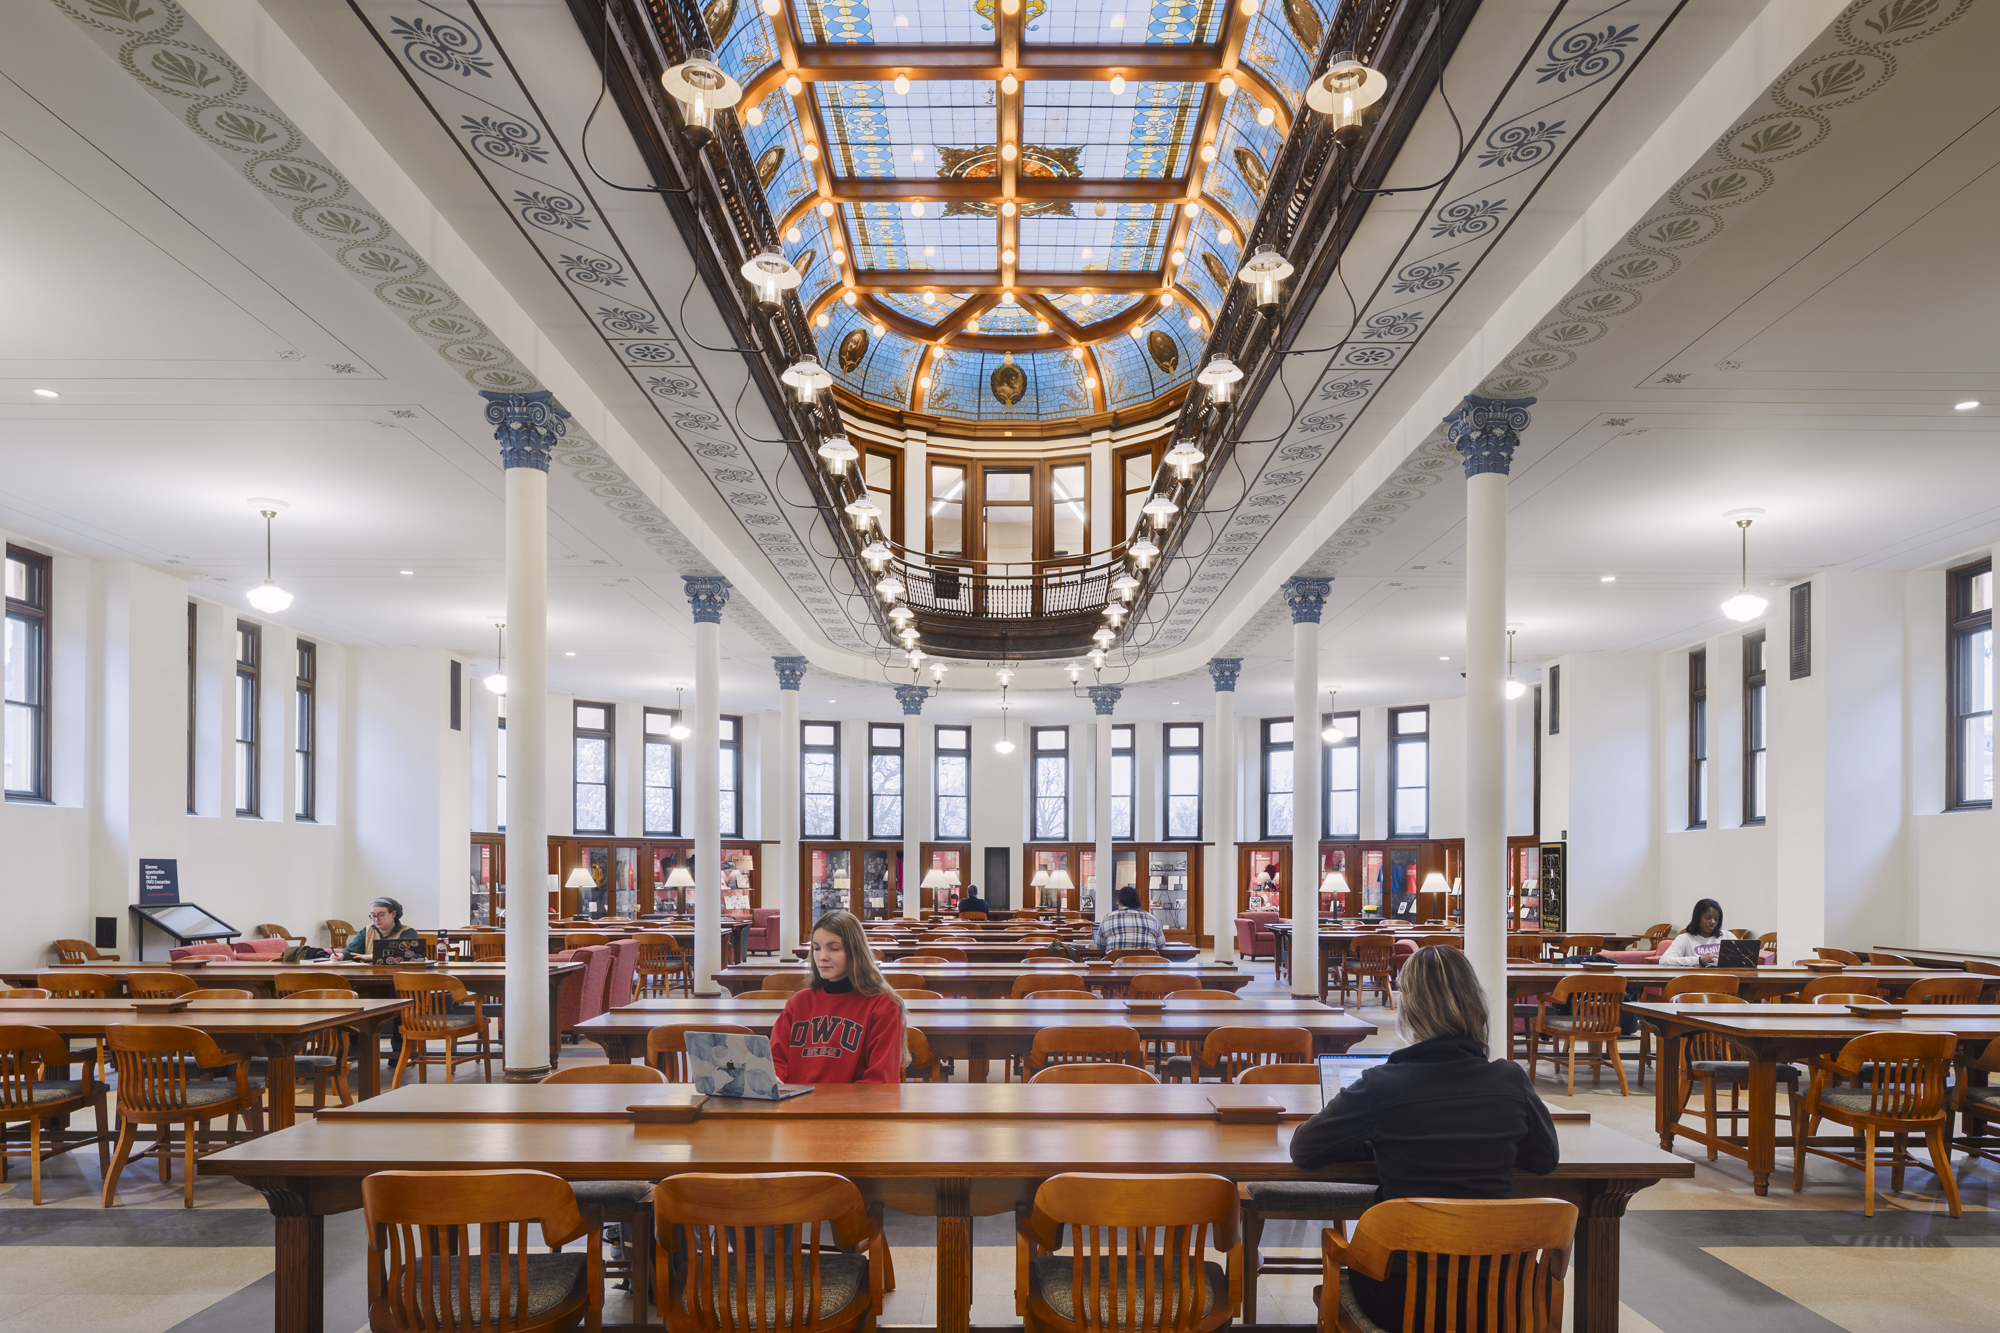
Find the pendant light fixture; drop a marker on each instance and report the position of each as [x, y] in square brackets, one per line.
[1515, 688]
[1333, 735]
[680, 730]
[497, 682]
[702, 88]
[1342, 93]
[1004, 745]
[1745, 605]
[268, 597]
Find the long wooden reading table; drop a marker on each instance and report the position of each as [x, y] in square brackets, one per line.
[989, 951]
[1755, 984]
[952, 1153]
[995, 980]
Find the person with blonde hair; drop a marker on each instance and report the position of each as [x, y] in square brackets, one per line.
[1439, 1119]
[847, 1026]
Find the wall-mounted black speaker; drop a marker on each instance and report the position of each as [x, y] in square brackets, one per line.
[107, 932]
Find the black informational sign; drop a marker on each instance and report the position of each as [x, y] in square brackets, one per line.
[159, 881]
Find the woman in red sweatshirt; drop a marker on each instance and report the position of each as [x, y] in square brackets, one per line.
[847, 1026]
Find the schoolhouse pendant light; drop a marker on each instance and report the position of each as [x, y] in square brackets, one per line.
[1515, 688]
[702, 88]
[1342, 93]
[680, 730]
[497, 682]
[1332, 735]
[267, 596]
[1745, 605]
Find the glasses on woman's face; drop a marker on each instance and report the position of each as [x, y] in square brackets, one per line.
[380, 915]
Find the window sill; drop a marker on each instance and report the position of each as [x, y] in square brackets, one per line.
[1964, 807]
[27, 798]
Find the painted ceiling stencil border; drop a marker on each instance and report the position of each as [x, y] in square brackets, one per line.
[498, 126]
[1579, 61]
[174, 59]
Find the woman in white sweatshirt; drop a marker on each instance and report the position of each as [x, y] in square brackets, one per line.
[1701, 942]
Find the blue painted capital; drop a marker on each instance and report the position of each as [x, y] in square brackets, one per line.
[1105, 698]
[1486, 431]
[791, 671]
[707, 594]
[912, 698]
[1223, 671]
[1306, 596]
[527, 426]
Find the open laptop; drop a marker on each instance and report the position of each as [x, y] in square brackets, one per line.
[1340, 1071]
[399, 951]
[737, 1064]
[1738, 953]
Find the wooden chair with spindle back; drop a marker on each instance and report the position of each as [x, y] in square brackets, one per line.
[1158, 985]
[923, 1067]
[73, 952]
[1513, 1251]
[585, 939]
[327, 1054]
[1302, 1075]
[1979, 1105]
[1369, 958]
[1944, 990]
[1710, 1062]
[1575, 945]
[1136, 957]
[1041, 981]
[338, 933]
[664, 967]
[1848, 997]
[1112, 1043]
[766, 995]
[1877, 958]
[1904, 1096]
[1066, 995]
[159, 985]
[748, 1253]
[35, 1086]
[438, 1012]
[78, 985]
[1838, 955]
[925, 960]
[627, 1203]
[1594, 1008]
[271, 931]
[1203, 996]
[1095, 1072]
[287, 985]
[448, 1253]
[1663, 930]
[1679, 988]
[606, 1073]
[1524, 947]
[949, 953]
[487, 946]
[215, 993]
[788, 981]
[159, 1084]
[1228, 1051]
[897, 980]
[24, 993]
[666, 1047]
[1842, 983]
[1139, 1254]
[912, 993]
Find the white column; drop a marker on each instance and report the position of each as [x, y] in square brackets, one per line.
[791, 672]
[1222, 887]
[1306, 596]
[1486, 433]
[707, 594]
[916, 789]
[1104, 698]
[527, 425]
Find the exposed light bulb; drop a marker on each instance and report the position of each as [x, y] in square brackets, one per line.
[1010, 85]
[1117, 84]
[1744, 606]
[811, 151]
[902, 84]
[497, 682]
[1007, 209]
[1008, 152]
[1226, 86]
[916, 208]
[1006, 256]
[792, 85]
[754, 117]
[1515, 689]
[1267, 116]
[268, 597]
[794, 235]
[826, 208]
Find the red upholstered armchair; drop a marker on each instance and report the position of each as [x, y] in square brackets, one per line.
[274, 947]
[583, 992]
[206, 949]
[624, 967]
[1252, 939]
[763, 933]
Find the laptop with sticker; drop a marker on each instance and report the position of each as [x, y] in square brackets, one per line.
[737, 1064]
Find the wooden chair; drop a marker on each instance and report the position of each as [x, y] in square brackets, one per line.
[159, 985]
[1979, 1105]
[1905, 1096]
[1838, 955]
[1842, 983]
[606, 1073]
[1143, 956]
[747, 1253]
[1710, 1062]
[768, 995]
[1229, 1051]
[1944, 990]
[664, 966]
[1848, 997]
[338, 933]
[216, 993]
[666, 1047]
[584, 939]
[1067, 995]
[1519, 1247]
[1594, 1005]
[437, 1013]
[1368, 958]
[328, 1054]
[1156, 985]
[626, 1203]
[1876, 958]
[487, 946]
[896, 980]
[926, 960]
[269, 931]
[1306, 1075]
[972, 916]
[287, 985]
[78, 985]
[1454, 941]
[35, 1087]
[1204, 996]
[912, 993]
[158, 1084]
[944, 953]
[74, 952]
[788, 981]
[1524, 948]
[1095, 1072]
[1769, 939]
[923, 1067]
[424, 1228]
[1139, 1253]
[1574, 945]
[1041, 981]
[1659, 931]
[1111, 1043]
[1682, 988]
[25, 993]
[1033, 954]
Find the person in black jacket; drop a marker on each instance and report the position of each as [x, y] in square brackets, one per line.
[1440, 1120]
[972, 902]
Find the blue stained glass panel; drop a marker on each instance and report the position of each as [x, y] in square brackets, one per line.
[912, 305]
[1006, 319]
[1142, 133]
[1129, 238]
[1101, 306]
[777, 156]
[1212, 264]
[851, 21]
[811, 254]
[962, 387]
[885, 236]
[1280, 44]
[880, 369]
[1245, 155]
[1140, 366]
[1126, 22]
[876, 131]
[748, 45]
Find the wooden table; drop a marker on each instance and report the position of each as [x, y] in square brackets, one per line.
[951, 1154]
[735, 934]
[1946, 958]
[980, 1031]
[275, 1029]
[991, 980]
[488, 980]
[1333, 943]
[1773, 1034]
[994, 952]
[1755, 984]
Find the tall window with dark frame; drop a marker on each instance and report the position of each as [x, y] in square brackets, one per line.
[249, 647]
[1340, 778]
[1274, 778]
[192, 679]
[500, 775]
[1754, 695]
[1409, 772]
[951, 783]
[592, 772]
[1051, 775]
[729, 776]
[27, 746]
[1183, 751]
[305, 724]
[1969, 618]
[663, 772]
[1698, 738]
[885, 781]
[1122, 765]
[819, 779]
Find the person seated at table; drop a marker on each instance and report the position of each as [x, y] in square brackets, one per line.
[385, 922]
[1127, 927]
[1440, 1119]
[847, 1026]
[972, 902]
[1701, 943]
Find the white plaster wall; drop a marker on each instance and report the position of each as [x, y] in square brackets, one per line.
[1599, 782]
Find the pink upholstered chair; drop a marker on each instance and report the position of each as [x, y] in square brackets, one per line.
[205, 950]
[624, 967]
[763, 933]
[583, 992]
[261, 949]
[1253, 940]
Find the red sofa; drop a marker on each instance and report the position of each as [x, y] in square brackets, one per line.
[1252, 939]
[762, 936]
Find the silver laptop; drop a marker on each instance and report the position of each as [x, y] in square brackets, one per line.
[1343, 1070]
[737, 1064]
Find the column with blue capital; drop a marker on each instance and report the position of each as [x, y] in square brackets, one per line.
[916, 795]
[1104, 698]
[1486, 432]
[1306, 597]
[527, 425]
[707, 594]
[1223, 817]
[785, 884]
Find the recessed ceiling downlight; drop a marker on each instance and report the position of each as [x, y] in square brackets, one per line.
[51, 393]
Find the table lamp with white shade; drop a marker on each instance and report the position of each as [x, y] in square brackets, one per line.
[1334, 883]
[678, 879]
[937, 878]
[1059, 885]
[1434, 883]
[580, 878]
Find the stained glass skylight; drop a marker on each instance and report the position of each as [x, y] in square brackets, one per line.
[744, 41]
[912, 304]
[1145, 132]
[1123, 22]
[1007, 319]
[886, 237]
[1101, 306]
[1153, 358]
[1245, 151]
[1129, 238]
[891, 21]
[986, 386]
[875, 131]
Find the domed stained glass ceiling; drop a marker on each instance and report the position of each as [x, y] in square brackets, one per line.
[1025, 216]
